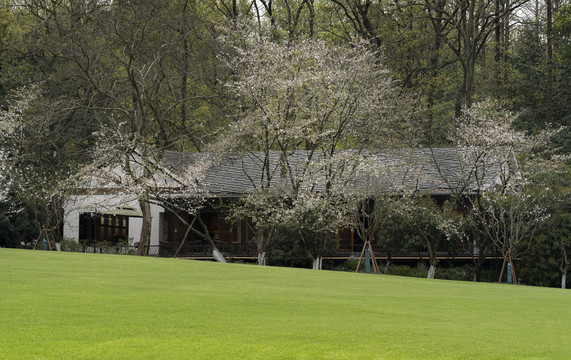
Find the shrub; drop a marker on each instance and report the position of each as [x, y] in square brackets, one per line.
[70, 245]
[349, 265]
[406, 270]
[464, 272]
[286, 250]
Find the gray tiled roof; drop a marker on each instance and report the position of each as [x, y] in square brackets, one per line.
[437, 170]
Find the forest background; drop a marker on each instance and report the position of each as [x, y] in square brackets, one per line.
[77, 72]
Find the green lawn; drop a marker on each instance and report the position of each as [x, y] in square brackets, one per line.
[85, 306]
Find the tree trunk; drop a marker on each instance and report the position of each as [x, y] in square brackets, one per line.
[262, 258]
[478, 270]
[549, 80]
[564, 263]
[206, 235]
[479, 263]
[498, 56]
[183, 242]
[234, 9]
[477, 273]
[432, 258]
[514, 277]
[261, 245]
[464, 97]
[317, 263]
[431, 271]
[309, 4]
[145, 239]
[217, 255]
[506, 34]
[387, 265]
[434, 63]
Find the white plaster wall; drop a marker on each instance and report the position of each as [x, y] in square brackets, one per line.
[156, 228]
[71, 225]
[135, 225]
[86, 204]
[135, 230]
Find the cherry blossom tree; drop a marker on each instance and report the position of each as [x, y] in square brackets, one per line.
[300, 105]
[138, 64]
[432, 224]
[321, 205]
[38, 154]
[370, 199]
[496, 162]
[510, 221]
[264, 212]
[177, 187]
[185, 192]
[488, 146]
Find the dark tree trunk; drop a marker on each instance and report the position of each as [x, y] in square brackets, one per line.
[479, 265]
[434, 63]
[564, 263]
[261, 247]
[145, 239]
[498, 49]
[432, 259]
[464, 98]
[506, 47]
[549, 80]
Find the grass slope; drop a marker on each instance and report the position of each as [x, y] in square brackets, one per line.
[85, 306]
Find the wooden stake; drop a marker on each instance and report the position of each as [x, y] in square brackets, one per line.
[44, 234]
[374, 260]
[513, 270]
[503, 266]
[361, 257]
[368, 245]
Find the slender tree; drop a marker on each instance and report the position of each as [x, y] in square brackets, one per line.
[134, 63]
[469, 25]
[38, 154]
[549, 72]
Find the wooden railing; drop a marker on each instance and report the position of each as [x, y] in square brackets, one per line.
[201, 248]
[123, 250]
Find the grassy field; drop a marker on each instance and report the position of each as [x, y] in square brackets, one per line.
[85, 306]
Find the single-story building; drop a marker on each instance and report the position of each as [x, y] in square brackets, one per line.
[108, 215]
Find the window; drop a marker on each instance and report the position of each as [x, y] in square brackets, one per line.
[97, 228]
